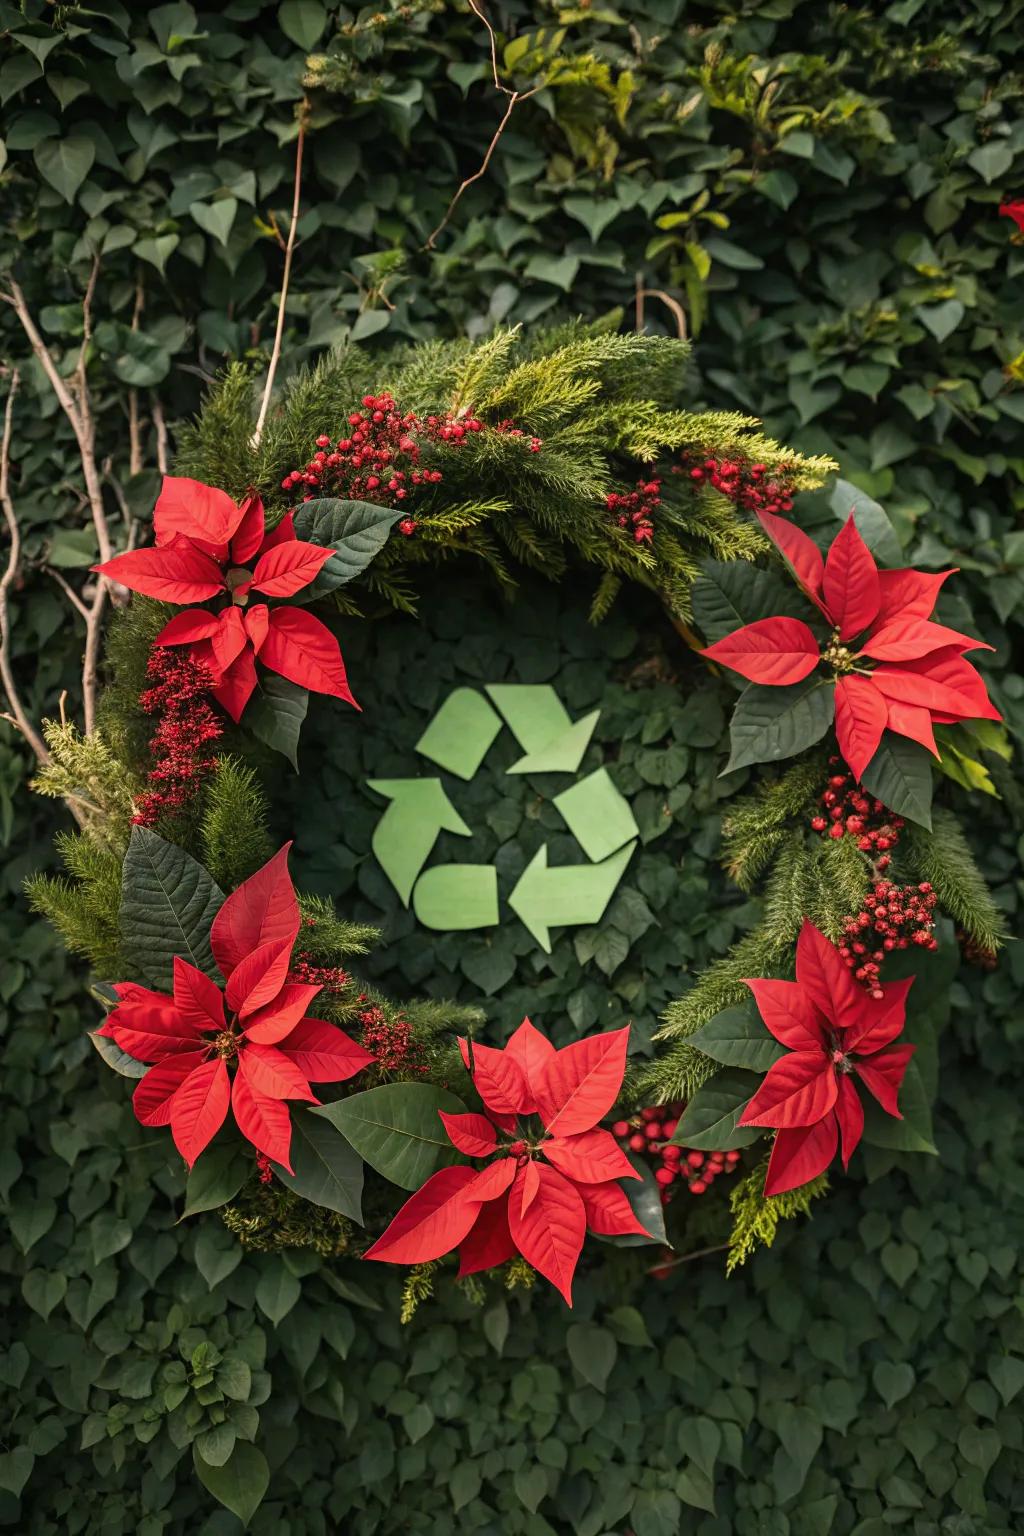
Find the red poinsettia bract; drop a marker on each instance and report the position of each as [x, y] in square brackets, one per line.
[249, 1047]
[210, 550]
[549, 1178]
[1014, 210]
[836, 1033]
[893, 667]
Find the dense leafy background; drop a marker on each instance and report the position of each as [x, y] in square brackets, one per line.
[820, 185]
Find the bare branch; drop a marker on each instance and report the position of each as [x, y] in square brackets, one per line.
[514, 98]
[18, 716]
[135, 460]
[289, 252]
[69, 592]
[163, 456]
[667, 299]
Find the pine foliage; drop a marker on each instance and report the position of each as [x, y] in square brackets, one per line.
[756, 1216]
[944, 857]
[233, 831]
[609, 408]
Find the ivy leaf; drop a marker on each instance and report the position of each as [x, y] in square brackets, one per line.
[900, 776]
[302, 21]
[275, 714]
[770, 723]
[240, 1483]
[731, 593]
[216, 1177]
[356, 530]
[168, 903]
[397, 1129]
[328, 1172]
[216, 218]
[65, 163]
[709, 1120]
[737, 1038]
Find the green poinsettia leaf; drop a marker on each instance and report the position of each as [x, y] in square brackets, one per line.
[275, 714]
[911, 1134]
[356, 530]
[730, 593]
[168, 903]
[709, 1121]
[770, 724]
[114, 1057]
[217, 1176]
[327, 1170]
[397, 1129]
[644, 1195]
[900, 775]
[737, 1037]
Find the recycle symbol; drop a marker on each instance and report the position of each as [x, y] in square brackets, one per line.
[450, 897]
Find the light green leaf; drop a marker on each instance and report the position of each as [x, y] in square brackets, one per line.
[396, 1128]
[871, 520]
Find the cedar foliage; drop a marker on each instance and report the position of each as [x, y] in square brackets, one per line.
[608, 406]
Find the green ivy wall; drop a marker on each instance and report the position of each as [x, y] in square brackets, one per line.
[818, 186]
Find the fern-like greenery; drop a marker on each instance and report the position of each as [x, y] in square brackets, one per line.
[756, 1216]
[608, 408]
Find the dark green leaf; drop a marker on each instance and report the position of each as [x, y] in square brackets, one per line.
[737, 1037]
[396, 1128]
[65, 163]
[168, 903]
[217, 1176]
[871, 520]
[709, 1120]
[900, 775]
[911, 1134]
[770, 724]
[644, 1195]
[275, 714]
[327, 1170]
[730, 593]
[114, 1056]
[355, 530]
[240, 1483]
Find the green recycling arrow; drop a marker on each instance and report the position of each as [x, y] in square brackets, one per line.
[575, 893]
[408, 830]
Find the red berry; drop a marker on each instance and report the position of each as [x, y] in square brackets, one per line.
[698, 1187]
[665, 1176]
[621, 1128]
[695, 1159]
[638, 1142]
[652, 1130]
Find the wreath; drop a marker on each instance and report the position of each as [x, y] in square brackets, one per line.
[311, 1109]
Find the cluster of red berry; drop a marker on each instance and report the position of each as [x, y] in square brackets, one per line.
[378, 458]
[848, 811]
[509, 429]
[332, 978]
[263, 1168]
[650, 1134]
[749, 485]
[390, 1041]
[635, 509]
[188, 726]
[893, 917]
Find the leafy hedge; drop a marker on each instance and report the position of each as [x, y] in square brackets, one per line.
[819, 185]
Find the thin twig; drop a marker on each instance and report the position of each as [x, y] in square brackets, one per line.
[18, 716]
[163, 455]
[667, 299]
[69, 592]
[514, 98]
[289, 252]
[135, 460]
[687, 1258]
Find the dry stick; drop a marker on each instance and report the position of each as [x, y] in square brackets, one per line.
[687, 1258]
[79, 415]
[289, 251]
[163, 456]
[18, 717]
[669, 302]
[514, 98]
[135, 460]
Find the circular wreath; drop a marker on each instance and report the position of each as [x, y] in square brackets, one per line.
[232, 999]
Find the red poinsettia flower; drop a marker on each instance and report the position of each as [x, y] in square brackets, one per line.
[208, 550]
[1014, 211]
[249, 1047]
[549, 1179]
[893, 668]
[837, 1034]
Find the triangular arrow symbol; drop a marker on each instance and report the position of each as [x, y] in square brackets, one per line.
[408, 830]
[568, 895]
